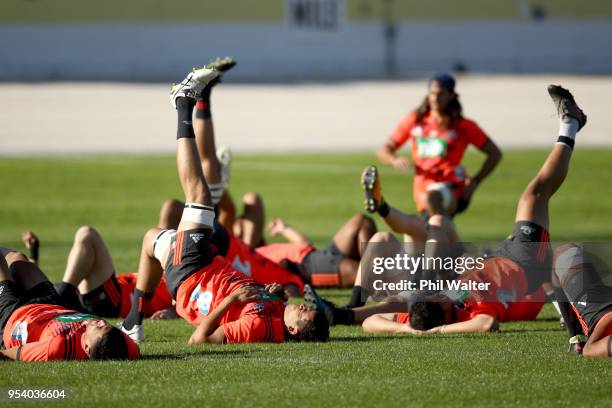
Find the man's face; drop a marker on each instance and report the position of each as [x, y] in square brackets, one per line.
[96, 328]
[296, 317]
[438, 97]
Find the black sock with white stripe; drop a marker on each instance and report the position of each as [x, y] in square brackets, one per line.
[140, 304]
[568, 128]
[184, 109]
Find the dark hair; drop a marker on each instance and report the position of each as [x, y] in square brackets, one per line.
[110, 346]
[316, 330]
[426, 315]
[454, 110]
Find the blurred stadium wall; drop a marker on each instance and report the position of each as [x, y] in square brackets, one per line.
[284, 40]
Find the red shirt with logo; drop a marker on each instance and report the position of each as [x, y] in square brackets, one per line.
[437, 152]
[202, 292]
[50, 332]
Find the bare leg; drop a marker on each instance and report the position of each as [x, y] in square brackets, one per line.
[89, 263]
[150, 270]
[23, 272]
[249, 226]
[356, 231]
[408, 224]
[533, 204]
[170, 214]
[227, 211]
[381, 244]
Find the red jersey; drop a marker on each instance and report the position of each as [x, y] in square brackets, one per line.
[290, 251]
[437, 152]
[202, 292]
[50, 332]
[257, 266]
[161, 297]
[505, 298]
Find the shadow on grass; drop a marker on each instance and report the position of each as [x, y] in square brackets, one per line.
[526, 329]
[195, 353]
[350, 339]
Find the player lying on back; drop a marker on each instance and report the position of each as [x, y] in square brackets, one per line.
[224, 305]
[590, 300]
[90, 284]
[36, 327]
[522, 262]
[336, 265]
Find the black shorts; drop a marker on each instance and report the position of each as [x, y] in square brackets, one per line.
[105, 300]
[190, 251]
[323, 261]
[12, 298]
[529, 246]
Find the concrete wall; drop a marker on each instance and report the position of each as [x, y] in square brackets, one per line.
[273, 51]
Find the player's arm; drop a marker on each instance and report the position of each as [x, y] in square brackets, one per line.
[9, 354]
[493, 157]
[384, 323]
[209, 331]
[481, 323]
[278, 227]
[386, 155]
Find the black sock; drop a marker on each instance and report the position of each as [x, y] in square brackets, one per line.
[343, 315]
[203, 103]
[572, 324]
[69, 295]
[384, 209]
[65, 288]
[184, 109]
[140, 303]
[568, 141]
[359, 296]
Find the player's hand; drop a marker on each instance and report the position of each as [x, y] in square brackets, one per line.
[406, 328]
[274, 288]
[165, 314]
[276, 227]
[401, 163]
[29, 238]
[469, 188]
[245, 294]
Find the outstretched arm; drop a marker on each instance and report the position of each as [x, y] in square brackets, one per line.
[481, 323]
[278, 228]
[384, 323]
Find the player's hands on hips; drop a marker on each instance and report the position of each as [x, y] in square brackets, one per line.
[276, 227]
[469, 188]
[401, 163]
[245, 294]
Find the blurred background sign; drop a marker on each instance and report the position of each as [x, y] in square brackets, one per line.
[320, 15]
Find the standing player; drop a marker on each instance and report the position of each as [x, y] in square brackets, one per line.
[223, 304]
[35, 327]
[336, 265]
[439, 135]
[522, 262]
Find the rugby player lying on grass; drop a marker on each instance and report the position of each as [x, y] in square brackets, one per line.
[521, 264]
[36, 327]
[436, 236]
[90, 284]
[223, 304]
[336, 265]
[590, 300]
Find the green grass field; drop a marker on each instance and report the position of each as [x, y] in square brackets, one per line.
[156, 11]
[525, 364]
